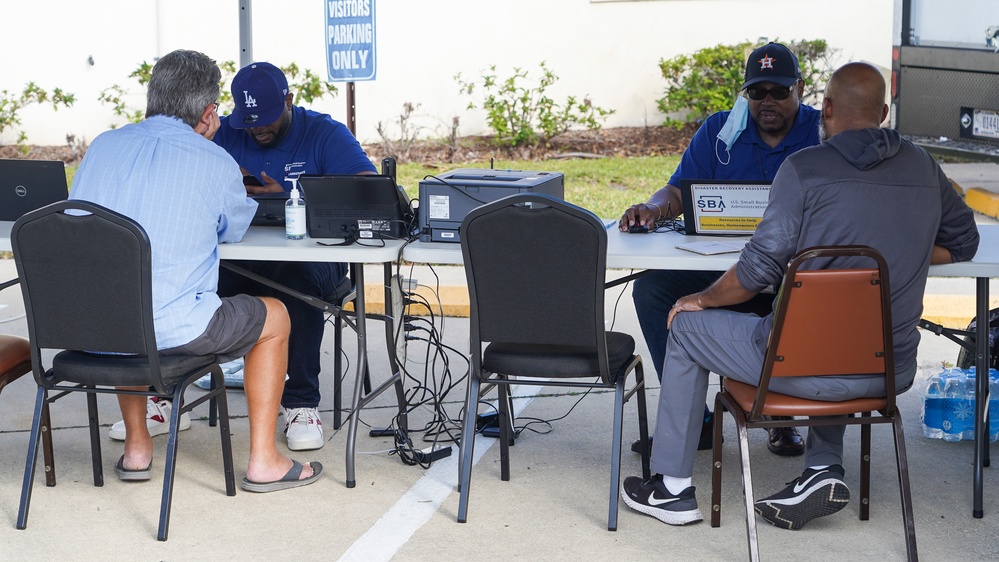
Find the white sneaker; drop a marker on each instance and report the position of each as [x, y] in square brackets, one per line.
[304, 429]
[157, 419]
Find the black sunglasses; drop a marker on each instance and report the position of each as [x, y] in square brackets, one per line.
[778, 93]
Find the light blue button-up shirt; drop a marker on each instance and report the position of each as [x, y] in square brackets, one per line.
[188, 195]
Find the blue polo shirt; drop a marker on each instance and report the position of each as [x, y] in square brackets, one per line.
[188, 196]
[750, 158]
[315, 144]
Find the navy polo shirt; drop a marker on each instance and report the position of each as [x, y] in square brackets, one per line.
[315, 144]
[750, 158]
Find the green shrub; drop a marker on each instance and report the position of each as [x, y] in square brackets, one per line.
[710, 79]
[522, 115]
[306, 85]
[11, 103]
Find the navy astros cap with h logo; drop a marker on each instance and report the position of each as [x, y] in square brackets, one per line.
[772, 62]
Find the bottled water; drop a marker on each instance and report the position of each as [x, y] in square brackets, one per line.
[949, 405]
[957, 410]
[933, 408]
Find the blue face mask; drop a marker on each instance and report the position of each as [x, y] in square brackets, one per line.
[733, 127]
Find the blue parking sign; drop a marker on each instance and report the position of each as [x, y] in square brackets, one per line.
[350, 40]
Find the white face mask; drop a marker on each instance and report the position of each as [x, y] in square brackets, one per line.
[733, 127]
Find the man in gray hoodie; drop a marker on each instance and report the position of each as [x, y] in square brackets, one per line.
[862, 185]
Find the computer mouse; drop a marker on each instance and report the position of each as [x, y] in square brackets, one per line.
[638, 229]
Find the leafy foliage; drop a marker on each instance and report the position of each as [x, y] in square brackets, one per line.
[306, 85]
[11, 103]
[710, 79]
[521, 114]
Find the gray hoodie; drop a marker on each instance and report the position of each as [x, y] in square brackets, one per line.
[867, 187]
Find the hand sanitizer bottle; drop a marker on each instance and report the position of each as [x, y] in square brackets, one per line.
[294, 213]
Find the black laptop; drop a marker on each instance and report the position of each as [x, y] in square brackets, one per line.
[270, 209]
[356, 207]
[723, 207]
[26, 185]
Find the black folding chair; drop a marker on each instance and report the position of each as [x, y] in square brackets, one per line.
[535, 267]
[87, 287]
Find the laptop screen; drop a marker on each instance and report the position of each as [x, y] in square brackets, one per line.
[356, 207]
[26, 185]
[723, 207]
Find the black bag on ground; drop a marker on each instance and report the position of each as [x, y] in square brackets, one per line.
[966, 357]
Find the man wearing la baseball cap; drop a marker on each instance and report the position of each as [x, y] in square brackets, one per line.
[767, 124]
[274, 141]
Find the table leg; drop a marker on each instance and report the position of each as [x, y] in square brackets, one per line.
[982, 359]
[357, 274]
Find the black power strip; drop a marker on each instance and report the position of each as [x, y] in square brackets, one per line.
[436, 455]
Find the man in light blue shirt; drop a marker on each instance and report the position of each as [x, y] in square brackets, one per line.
[188, 195]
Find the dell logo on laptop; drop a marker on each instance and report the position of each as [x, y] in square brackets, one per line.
[21, 191]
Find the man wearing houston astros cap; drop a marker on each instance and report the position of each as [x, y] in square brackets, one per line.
[750, 142]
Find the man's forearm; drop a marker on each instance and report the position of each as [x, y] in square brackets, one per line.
[726, 291]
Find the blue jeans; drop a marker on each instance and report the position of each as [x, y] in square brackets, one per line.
[301, 390]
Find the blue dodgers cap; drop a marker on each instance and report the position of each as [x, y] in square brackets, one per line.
[772, 62]
[258, 91]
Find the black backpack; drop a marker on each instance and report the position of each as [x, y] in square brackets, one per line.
[966, 357]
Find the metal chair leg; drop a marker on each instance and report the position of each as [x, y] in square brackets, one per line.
[865, 469]
[615, 479]
[467, 445]
[95, 439]
[903, 487]
[47, 452]
[747, 486]
[716, 462]
[643, 419]
[29, 464]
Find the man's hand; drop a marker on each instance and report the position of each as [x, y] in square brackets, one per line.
[689, 303]
[271, 185]
[642, 214]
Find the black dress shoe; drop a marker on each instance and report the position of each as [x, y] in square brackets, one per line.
[785, 441]
[705, 442]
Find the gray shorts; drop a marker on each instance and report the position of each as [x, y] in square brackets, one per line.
[231, 333]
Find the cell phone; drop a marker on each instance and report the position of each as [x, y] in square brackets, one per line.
[250, 179]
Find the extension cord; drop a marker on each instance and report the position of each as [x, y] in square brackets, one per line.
[429, 455]
[398, 315]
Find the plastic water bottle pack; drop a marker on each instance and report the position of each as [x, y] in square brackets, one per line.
[949, 405]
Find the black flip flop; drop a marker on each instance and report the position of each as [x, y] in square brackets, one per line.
[289, 480]
[129, 475]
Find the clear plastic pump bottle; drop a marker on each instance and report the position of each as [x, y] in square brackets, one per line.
[294, 213]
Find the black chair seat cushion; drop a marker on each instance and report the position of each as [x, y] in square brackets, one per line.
[533, 360]
[118, 370]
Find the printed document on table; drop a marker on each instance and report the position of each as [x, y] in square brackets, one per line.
[712, 247]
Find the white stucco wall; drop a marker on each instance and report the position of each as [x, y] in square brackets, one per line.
[608, 51]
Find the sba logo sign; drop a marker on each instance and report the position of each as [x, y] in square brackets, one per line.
[711, 204]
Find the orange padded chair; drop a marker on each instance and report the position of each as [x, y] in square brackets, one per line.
[827, 322]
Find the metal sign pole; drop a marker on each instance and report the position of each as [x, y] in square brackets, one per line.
[245, 33]
[351, 106]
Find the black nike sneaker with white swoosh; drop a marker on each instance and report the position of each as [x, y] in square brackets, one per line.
[652, 498]
[816, 493]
